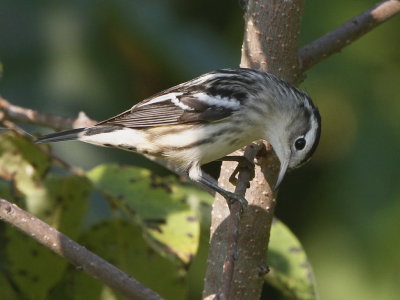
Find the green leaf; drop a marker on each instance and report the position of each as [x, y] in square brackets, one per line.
[60, 201]
[290, 270]
[7, 292]
[5, 189]
[25, 164]
[68, 202]
[20, 158]
[77, 285]
[162, 206]
[33, 268]
[56, 200]
[121, 243]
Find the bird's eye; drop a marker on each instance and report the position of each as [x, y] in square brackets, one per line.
[300, 143]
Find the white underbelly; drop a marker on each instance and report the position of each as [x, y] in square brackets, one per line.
[203, 148]
[181, 144]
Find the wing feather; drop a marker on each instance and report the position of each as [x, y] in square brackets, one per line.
[169, 112]
[195, 101]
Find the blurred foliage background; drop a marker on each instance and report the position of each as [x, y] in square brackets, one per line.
[101, 57]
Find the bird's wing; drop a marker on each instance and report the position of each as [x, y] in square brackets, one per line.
[174, 108]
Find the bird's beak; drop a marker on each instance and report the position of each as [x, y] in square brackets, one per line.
[282, 172]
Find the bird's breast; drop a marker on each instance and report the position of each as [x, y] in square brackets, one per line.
[201, 144]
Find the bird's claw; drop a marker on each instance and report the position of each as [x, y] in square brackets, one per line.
[242, 163]
[232, 198]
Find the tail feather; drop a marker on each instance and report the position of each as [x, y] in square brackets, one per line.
[67, 135]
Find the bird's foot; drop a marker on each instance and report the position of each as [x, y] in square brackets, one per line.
[243, 163]
[232, 198]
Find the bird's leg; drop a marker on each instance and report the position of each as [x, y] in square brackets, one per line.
[243, 162]
[229, 196]
[196, 174]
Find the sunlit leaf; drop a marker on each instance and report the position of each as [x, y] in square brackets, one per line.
[60, 201]
[25, 164]
[32, 267]
[161, 205]
[290, 270]
[19, 157]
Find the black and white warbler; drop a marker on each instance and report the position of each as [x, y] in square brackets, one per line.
[206, 118]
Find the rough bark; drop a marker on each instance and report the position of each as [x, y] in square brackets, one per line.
[270, 43]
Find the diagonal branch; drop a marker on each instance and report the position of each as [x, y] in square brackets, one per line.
[347, 33]
[75, 253]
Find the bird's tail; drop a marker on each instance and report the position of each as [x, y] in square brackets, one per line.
[67, 135]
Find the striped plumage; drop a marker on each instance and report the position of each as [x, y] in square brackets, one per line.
[209, 117]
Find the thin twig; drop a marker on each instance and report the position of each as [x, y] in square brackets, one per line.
[26, 115]
[75, 253]
[347, 33]
[13, 127]
[244, 178]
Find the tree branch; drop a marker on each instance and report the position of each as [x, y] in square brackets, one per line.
[269, 43]
[30, 116]
[347, 33]
[244, 179]
[75, 253]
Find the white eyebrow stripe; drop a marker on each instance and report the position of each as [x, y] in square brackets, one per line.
[311, 134]
[218, 101]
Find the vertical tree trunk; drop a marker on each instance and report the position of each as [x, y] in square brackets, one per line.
[270, 43]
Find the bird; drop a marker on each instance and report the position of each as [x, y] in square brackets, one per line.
[209, 117]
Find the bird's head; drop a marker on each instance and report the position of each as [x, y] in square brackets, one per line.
[294, 134]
